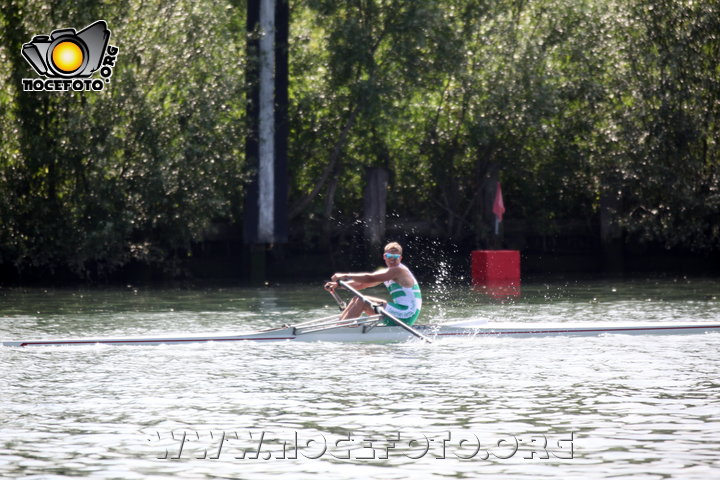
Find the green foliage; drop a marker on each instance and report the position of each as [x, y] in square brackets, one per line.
[564, 101]
[666, 123]
[567, 102]
[136, 172]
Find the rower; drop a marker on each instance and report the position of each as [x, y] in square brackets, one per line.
[406, 299]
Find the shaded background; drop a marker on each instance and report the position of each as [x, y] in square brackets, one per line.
[599, 118]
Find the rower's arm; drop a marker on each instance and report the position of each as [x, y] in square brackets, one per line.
[372, 279]
[360, 285]
[358, 281]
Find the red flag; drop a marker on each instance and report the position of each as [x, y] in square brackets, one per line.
[498, 205]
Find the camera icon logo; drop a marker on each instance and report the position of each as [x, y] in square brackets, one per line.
[67, 53]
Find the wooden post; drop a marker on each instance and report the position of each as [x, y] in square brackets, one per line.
[610, 231]
[486, 177]
[265, 213]
[375, 206]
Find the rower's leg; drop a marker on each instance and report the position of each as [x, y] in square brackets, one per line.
[355, 308]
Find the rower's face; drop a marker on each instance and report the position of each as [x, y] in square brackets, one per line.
[392, 258]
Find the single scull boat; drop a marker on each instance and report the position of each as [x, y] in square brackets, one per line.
[367, 330]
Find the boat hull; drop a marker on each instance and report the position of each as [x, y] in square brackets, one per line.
[389, 334]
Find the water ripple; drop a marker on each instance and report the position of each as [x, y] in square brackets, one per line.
[645, 407]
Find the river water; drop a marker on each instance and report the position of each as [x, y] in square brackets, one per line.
[614, 406]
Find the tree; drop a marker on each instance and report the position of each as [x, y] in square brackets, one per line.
[136, 172]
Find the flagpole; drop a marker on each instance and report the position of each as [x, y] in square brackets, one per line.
[498, 208]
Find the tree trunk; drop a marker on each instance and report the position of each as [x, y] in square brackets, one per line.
[375, 206]
[329, 168]
[326, 241]
[610, 231]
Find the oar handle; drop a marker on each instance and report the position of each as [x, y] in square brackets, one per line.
[341, 303]
[379, 309]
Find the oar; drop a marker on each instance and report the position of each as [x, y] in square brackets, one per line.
[379, 309]
[341, 303]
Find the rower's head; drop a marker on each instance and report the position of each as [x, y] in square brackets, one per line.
[392, 254]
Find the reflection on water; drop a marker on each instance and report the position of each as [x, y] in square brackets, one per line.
[499, 290]
[622, 406]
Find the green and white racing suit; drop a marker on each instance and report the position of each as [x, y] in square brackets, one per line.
[406, 302]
